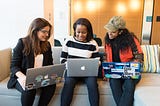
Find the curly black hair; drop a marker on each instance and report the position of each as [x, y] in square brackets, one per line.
[124, 40]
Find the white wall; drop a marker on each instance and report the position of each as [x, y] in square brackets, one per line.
[15, 18]
[61, 19]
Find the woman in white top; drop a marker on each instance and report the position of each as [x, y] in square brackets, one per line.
[81, 45]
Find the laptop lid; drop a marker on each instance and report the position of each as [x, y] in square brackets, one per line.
[82, 67]
[44, 76]
[122, 70]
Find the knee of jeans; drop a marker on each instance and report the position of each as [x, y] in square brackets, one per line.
[92, 85]
[70, 82]
[129, 87]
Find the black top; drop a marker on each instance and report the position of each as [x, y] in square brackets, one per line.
[21, 62]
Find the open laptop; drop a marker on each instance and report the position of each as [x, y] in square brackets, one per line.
[122, 70]
[44, 76]
[82, 67]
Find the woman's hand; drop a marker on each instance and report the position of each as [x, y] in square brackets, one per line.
[105, 79]
[21, 79]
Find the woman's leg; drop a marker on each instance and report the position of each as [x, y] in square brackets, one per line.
[46, 95]
[128, 92]
[67, 92]
[116, 87]
[27, 97]
[93, 91]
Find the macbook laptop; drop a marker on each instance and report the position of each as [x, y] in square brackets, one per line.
[44, 76]
[122, 70]
[82, 67]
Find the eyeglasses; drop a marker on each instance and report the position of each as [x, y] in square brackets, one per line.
[44, 31]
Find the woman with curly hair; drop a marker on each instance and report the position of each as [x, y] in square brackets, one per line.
[122, 46]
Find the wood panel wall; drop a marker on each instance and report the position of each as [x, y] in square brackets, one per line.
[155, 37]
[48, 15]
[104, 10]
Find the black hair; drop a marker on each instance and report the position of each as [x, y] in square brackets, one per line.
[124, 40]
[85, 22]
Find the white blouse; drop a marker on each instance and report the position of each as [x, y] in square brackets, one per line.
[38, 61]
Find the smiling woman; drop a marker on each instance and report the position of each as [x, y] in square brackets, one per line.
[32, 51]
[80, 45]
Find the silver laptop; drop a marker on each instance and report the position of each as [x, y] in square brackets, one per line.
[82, 67]
[44, 76]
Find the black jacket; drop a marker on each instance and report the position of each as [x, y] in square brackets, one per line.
[20, 62]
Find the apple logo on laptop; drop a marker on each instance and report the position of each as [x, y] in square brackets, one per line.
[83, 68]
[46, 76]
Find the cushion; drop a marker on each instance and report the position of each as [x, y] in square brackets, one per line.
[149, 79]
[151, 58]
[5, 91]
[56, 54]
[147, 90]
[147, 96]
[5, 59]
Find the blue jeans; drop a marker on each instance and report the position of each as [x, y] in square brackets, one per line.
[123, 91]
[69, 85]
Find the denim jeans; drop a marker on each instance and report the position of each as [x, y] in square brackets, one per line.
[123, 91]
[69, 85]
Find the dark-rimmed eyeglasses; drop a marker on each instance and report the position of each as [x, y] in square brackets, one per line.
[44, 31]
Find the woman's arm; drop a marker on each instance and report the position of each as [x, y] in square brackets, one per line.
[138, 55]
[17, 56]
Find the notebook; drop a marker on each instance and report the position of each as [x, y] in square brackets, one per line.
[82, 67]
[44, 76]
[122, 70]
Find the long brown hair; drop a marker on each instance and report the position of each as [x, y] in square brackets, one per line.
[31, 41]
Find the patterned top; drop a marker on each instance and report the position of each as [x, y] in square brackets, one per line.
[76, 49]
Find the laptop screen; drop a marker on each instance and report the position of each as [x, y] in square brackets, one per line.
[125, 70]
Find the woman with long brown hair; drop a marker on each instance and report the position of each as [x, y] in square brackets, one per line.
[32, 51]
